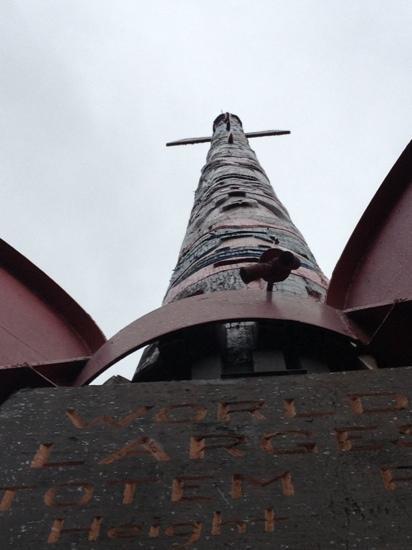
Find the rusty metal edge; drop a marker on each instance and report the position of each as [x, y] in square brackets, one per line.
[53, 295]
[210, 308]
[371, 224]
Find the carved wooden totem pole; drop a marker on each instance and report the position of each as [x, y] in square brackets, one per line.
[270, 409]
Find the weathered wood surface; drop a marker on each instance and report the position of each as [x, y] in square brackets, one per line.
[236, 216]
[309, 462]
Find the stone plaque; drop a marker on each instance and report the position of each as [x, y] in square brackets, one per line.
[302, 462]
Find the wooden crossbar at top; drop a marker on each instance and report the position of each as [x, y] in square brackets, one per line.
[193, 141]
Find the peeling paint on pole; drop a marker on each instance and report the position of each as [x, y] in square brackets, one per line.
[236, 216]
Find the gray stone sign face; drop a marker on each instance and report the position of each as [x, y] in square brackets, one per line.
[301, 462]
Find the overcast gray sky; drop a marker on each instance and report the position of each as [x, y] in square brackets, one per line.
[90, 91]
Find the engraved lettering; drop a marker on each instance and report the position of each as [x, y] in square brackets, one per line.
[130, 486]
[183, 484]
[105, 420]
[198, 413]
[299, 447]
[269, 521]
[87, 490]
[291, 411]
[41, 458]
[9, 494]
[404, 430]
[138, 447]
[392, 481]
[359, 402]
[347, 436]
[154, 530]
[239, 480]
[93, 531]
[127, 531]
[208, 442]
[225, 410]
[180, 530]
[218, 523]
